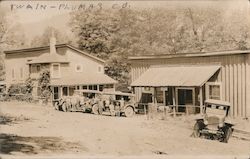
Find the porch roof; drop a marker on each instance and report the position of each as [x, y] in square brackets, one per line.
[83, 79]
[49, 58]
[191, 75]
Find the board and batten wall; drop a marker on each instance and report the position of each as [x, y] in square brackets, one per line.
[234, 76]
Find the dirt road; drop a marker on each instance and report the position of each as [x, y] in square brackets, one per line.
[28, 129]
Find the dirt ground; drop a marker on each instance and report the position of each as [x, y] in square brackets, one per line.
[29, 129]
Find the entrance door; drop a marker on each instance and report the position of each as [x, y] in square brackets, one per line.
[185, 98]
[56, 93]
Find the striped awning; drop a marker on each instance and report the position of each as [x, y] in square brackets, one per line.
[191, 75]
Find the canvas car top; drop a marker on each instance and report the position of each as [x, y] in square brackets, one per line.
[217, 102]
[118, 93]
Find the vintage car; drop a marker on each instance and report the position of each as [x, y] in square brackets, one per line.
[116, 104]
[213, 125]
[82, 100]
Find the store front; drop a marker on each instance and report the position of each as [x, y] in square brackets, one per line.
[181, 87]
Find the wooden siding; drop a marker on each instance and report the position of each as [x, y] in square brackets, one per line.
[233, 75]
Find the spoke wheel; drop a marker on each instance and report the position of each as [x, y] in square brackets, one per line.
[64, 107]
[95, 109]
[129, 112]
[196, 130]
[227, 133]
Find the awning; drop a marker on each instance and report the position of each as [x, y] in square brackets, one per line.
[83, 79]
[160, 76]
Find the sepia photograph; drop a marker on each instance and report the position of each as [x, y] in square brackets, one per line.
[124, 79]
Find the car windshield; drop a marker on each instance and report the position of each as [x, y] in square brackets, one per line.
[213, 110]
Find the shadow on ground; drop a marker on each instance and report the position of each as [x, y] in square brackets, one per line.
[8, 120]
[10, 143]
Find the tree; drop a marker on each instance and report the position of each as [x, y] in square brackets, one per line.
[116, 34]
[44, 39]
[44, 85]
[11, 37]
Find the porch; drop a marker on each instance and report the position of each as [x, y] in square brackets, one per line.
[179, 89]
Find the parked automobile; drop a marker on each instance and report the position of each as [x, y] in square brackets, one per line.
[213, 124]
[116, 104]
[82, 100]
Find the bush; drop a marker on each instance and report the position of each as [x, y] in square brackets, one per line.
[20, 92]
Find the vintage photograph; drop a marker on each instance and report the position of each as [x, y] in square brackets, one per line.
[125, 79]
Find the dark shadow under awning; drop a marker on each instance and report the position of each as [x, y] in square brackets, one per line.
[191, 75]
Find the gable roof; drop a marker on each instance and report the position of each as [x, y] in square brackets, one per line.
[57, 46]
[197, 54]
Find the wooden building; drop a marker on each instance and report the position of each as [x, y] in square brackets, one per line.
[69, 67]
[191, 78]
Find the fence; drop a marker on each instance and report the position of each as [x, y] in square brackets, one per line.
[152, 109]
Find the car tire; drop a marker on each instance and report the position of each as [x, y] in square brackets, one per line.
[129, 111]
[197, 128]
[95, 109]
[227, 133]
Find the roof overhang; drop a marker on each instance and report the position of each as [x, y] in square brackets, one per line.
[162, 76]
[83, 79]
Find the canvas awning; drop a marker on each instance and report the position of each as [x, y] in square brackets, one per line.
[83, 79]
[160, 76]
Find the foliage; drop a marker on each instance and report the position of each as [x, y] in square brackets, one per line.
[44, 39]
[116, 34]
[29, 85]
[44, 84]
[20, 92]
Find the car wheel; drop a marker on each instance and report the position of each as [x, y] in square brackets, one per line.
[227, 133]
[64, 107]
[129, 112]
[95, 109]
[196, 130]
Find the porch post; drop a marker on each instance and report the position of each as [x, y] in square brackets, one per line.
[174, 104]
[61, 91]
[201, 100]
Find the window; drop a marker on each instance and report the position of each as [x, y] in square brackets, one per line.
[100, 87]
[159, 95]
[56, 71]
[78, 68]
[65, 91]
[38, 68]
[91, 87]
[84, 87]
[213, 90]
[99, 69]
[109, 86]
[71, 91]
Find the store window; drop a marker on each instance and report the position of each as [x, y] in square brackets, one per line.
[71, 91]
[213, 90]
[84, 87]
[159, 95]
[65, 91]
[100, 87]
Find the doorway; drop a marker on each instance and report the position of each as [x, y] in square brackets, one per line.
[185, 99]
[56, 93]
